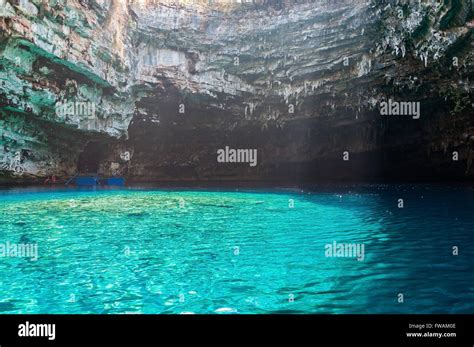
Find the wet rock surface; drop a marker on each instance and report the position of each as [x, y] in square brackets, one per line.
[151, 90]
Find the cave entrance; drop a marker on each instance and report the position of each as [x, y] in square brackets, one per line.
[91, 157]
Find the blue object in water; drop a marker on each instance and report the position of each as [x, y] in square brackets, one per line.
[86, 181]
[95, 180]
[114, 181]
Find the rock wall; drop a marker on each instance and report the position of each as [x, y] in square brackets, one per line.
[153, 89]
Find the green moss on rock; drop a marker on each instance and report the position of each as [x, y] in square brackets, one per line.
[457, 14]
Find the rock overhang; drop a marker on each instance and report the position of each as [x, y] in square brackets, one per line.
[229, 65]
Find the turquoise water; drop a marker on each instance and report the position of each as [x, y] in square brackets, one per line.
[171, 251]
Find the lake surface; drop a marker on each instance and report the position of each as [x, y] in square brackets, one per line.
[182, 251]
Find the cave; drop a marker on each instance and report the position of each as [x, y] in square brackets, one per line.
[91, 157]
[171, 88]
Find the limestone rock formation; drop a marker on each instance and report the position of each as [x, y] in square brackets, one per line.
[152, 89]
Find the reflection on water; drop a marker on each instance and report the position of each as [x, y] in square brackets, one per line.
[171, 251]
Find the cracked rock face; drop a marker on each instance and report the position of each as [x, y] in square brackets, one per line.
[152, 90]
